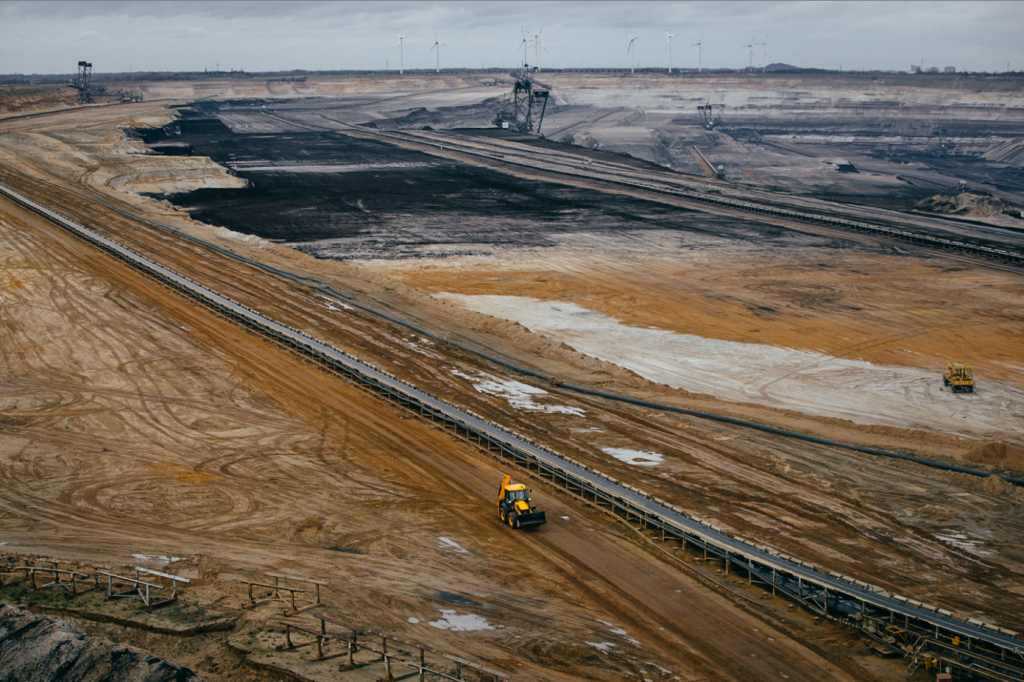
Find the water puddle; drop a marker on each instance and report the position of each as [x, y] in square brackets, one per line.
[467, 622]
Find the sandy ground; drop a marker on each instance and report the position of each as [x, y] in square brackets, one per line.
[825, 333]
[813, 383]
[143, 425]
[169, 433]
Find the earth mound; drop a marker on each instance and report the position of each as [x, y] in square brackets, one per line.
[39, 649]
[18, 99]
[966, 204]
[998, 454]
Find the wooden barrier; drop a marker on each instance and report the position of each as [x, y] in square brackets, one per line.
[276, 588]
[388, 656]
[70, 586]
[141, 589]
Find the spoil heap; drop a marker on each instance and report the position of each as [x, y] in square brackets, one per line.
[966, 204]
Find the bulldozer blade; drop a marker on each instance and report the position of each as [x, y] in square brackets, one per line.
[532, 519]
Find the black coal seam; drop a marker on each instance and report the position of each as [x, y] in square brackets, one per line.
[326, 288]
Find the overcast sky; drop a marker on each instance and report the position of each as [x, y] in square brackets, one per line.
[51, 37]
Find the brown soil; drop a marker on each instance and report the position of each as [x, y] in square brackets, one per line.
[875, 307]
[21, 99]
[997, 454]
[134, 422]
[172, 432]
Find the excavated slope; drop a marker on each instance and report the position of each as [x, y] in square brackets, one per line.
[38, 649]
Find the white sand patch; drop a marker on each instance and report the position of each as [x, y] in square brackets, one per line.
[451, 545]
[961, 541]
[420, 345]
[603, 646]
[611, 628]
[636, 457]
[160, 560]
[517, 394]
[331, 304]
[468, 622]
[810, 382]
[619, 631]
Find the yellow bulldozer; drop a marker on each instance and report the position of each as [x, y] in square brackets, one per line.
[959, 377]
[514, 505]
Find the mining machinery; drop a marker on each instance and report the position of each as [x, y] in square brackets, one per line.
[83, 83]
[707, 115]
[129, 96]
[514, 505]
[519, 109]
[959, 377]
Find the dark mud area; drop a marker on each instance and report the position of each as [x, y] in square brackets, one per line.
[339, 197]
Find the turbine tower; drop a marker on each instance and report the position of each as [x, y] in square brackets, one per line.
[764, 53]
[750, 47]
[437, 45]
[670, 36]
[632, 52]
[700, 53]
[524, 45]
[401, 56]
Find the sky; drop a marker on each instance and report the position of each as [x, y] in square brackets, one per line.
[51, 37]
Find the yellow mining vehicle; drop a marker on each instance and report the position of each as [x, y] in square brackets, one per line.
[959, 377]
[514, 505]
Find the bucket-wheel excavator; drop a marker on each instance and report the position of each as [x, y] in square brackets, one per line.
[514, 505]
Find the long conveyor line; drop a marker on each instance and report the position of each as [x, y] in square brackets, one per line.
[985, 648]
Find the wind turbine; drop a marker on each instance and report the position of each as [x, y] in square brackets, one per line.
[750, 47]
[537, 48]
[524, 46]
[401, 56]
[700, 53]
[437, 45]
[631, 51]
[669, 41]
[764, 53]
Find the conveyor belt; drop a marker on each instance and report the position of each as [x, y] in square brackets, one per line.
[839, 595]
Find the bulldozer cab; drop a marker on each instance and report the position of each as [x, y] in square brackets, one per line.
[959, 371]
[517, 494]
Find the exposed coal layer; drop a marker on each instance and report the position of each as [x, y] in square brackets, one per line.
[340, 197]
